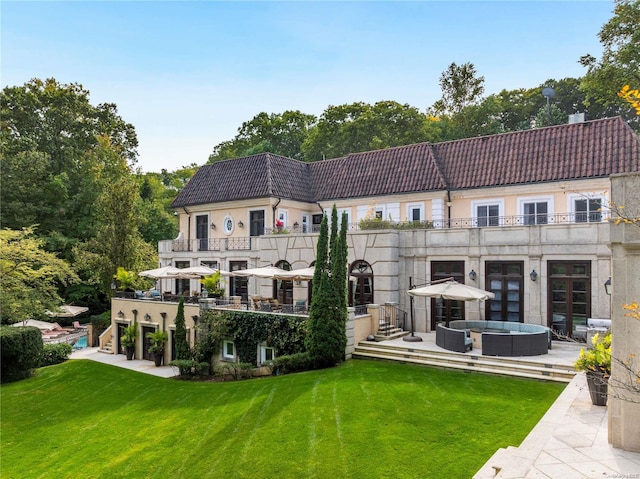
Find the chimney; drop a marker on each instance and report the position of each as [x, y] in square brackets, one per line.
[576, 118]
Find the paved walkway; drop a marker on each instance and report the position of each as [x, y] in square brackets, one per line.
[569, 442]
[120, 360]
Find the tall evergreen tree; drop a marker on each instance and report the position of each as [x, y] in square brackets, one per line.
[182, 347]
[322, 254]
[339, 266]
[326, 336]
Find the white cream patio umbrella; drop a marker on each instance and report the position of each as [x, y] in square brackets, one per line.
[267, 272]
[161, 273]
[449, 289]
[452, 290]
[199, 271]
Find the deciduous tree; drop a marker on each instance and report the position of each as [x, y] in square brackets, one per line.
[30, 277]
[461, 87]
[619, 64]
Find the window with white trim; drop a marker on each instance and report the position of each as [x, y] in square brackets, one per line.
[588, 210]
[587, 207]
[228, 350]
[283, 215]
[415, 212]
[339, 211]
[267, 354]
[536, 210]
[487, 213]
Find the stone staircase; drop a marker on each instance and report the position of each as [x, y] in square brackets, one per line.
[467, 362]
[387, 331]
[108, 348]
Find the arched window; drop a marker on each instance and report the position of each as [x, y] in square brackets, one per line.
[361, 288]
[283, 290]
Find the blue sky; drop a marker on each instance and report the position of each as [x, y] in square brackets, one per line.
[187, 74]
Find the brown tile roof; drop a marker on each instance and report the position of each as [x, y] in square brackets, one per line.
[590, 149]
[258, 176]
[373, 173]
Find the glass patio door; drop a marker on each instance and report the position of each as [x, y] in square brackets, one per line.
[238, 286]
[202, 232]
[446, 309]
[505, 281]
[569, 298]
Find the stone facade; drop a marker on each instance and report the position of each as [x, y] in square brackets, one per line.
[624, 399]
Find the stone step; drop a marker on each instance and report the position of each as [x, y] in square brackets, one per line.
[467, 363]
[392, 333]
[465, 356]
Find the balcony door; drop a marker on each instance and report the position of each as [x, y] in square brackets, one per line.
[202, 232]
[256, 223]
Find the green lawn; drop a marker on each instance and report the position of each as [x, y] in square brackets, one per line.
[364, 419]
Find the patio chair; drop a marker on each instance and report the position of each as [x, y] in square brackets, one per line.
[275, 305]
[77, 325]
[266, 307]
[287, 308]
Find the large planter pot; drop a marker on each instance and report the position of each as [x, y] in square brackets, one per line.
[157, 358]
[129, 351]
[598, 387]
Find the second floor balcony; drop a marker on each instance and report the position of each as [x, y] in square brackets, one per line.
[377, 224]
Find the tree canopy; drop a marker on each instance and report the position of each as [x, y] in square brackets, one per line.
[619, 64]
[30, 277]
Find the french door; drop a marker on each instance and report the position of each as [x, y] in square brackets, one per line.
[505, 280]
[569, 297]
[446, 309]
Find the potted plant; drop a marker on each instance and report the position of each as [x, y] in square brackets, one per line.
[125, 280]
[128, 340]
[157, 338]
[596, 363]
[212, 286]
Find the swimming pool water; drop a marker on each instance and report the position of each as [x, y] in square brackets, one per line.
[81, 343]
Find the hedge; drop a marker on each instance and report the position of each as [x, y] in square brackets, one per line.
[21, 349]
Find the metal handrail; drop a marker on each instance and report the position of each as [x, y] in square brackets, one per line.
[245, 243]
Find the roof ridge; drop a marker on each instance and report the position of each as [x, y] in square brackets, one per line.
[528, 130]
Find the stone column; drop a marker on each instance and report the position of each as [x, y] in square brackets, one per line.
[624, 395]
[351, 321]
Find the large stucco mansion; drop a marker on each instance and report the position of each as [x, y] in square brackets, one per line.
[522, 214]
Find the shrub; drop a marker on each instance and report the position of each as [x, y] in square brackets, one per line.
[598, 358]
[189, 367]
[99, 325]
[292, 363]
[182, 346]
[235, 370]
[21, 349]
[55, 354]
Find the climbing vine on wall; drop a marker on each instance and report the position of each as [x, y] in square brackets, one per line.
[247, 330]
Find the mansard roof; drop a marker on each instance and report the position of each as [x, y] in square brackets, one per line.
[589, 149]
